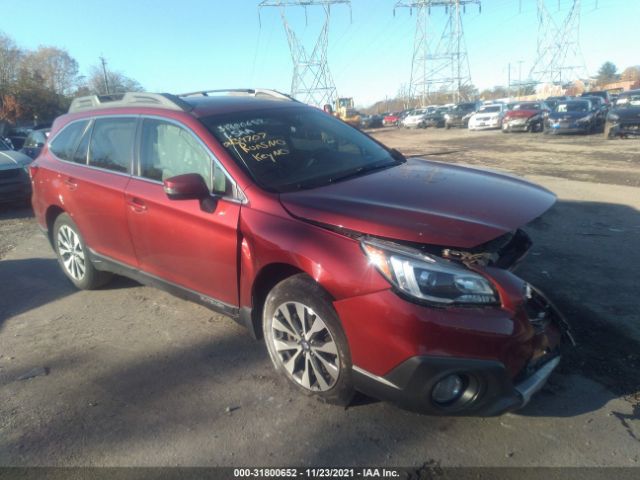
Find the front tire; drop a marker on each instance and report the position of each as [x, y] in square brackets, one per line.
[306, 342]
[73, 255]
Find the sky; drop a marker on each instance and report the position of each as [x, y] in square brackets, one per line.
[184, 45]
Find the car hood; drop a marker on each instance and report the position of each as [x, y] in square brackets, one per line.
[572, 115]
[459, 114]
[426, 202]
[11, 159]
[522, 113]
[628, 113]
[486, 114]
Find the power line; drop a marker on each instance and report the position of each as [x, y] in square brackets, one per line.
[559, 56]
[439, 64]
[312, 82]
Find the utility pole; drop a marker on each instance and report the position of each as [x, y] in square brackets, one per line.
[104, 73]
[311, 82]
[509, 80]
[558, 48]
[439, 64]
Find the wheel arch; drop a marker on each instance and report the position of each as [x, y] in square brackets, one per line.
[267, 278]
[53, 212]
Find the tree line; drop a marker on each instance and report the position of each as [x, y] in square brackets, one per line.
[38, 85]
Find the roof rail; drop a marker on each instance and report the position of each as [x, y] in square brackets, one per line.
[254, 92]
[129, 99]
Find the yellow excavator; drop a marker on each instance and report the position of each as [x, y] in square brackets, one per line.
[345, 111]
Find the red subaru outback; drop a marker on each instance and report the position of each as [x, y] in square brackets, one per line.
[362, 270]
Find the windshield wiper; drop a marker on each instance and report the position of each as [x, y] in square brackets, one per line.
[356, 172]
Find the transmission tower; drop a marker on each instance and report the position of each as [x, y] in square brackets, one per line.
[439, 64]
[311, 82]
[559, 57]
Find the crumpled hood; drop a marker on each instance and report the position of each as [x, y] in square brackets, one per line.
[522, 113]
[11, 159]
[426, 202]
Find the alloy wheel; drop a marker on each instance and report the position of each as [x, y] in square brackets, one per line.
[304, 347]
[71, 252]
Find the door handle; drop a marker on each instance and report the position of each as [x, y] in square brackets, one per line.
[137, 205]
[71, 183]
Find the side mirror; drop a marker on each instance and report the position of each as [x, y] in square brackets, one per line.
[190, 186]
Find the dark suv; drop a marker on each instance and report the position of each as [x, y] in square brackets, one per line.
[360, 268]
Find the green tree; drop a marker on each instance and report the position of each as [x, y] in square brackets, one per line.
[607, 73]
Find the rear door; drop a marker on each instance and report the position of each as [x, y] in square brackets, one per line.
[177, 240]
[92, 177]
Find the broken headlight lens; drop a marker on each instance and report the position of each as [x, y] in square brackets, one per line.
[428, 278]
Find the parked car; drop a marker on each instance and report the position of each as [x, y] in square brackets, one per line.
[15, 185]
[18, 135]
[312, 235]
[415, 119]
[572, 116]
[552, 102]
[623, 119]
[487, 117]
[525, 117]
[436, 117]
[371, 121]
[391, 119]
[600, 109]
[459, 115]
[606, 97]
[34, 142]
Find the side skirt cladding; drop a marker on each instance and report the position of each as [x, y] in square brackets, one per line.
[107, 264]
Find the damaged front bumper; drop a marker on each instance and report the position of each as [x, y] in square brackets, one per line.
[624, 129]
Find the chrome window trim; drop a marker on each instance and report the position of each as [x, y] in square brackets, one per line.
[215, 159]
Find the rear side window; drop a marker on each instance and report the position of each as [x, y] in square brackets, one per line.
[111, 145]
[64, 145]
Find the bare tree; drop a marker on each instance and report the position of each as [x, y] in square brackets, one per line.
[57, 69]
[115, 82]
[10, 61]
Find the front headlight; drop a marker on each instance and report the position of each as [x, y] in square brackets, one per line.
[613, 117]
[586, 118]
[428, 278]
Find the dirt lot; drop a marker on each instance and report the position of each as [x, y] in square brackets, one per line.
[129, 375]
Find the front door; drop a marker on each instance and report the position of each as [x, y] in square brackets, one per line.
[177, 240]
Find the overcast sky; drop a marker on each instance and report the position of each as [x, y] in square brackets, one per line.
[177, 46]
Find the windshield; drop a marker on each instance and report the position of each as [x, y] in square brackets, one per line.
[572, 107]
[465, 107]
[629, 101]
[296, 148]
[489, 109]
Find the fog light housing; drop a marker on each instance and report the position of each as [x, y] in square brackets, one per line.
[448, 390]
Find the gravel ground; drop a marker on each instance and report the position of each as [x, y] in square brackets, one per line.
[128, 375]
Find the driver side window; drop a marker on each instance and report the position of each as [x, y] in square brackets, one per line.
[168, 150]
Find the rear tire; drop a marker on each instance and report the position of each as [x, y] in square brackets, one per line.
[73, 255]
[306, 342]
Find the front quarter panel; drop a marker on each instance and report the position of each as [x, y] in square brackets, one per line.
[336, 262]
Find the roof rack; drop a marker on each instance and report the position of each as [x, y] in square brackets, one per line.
[129, 99]
[254, 92]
